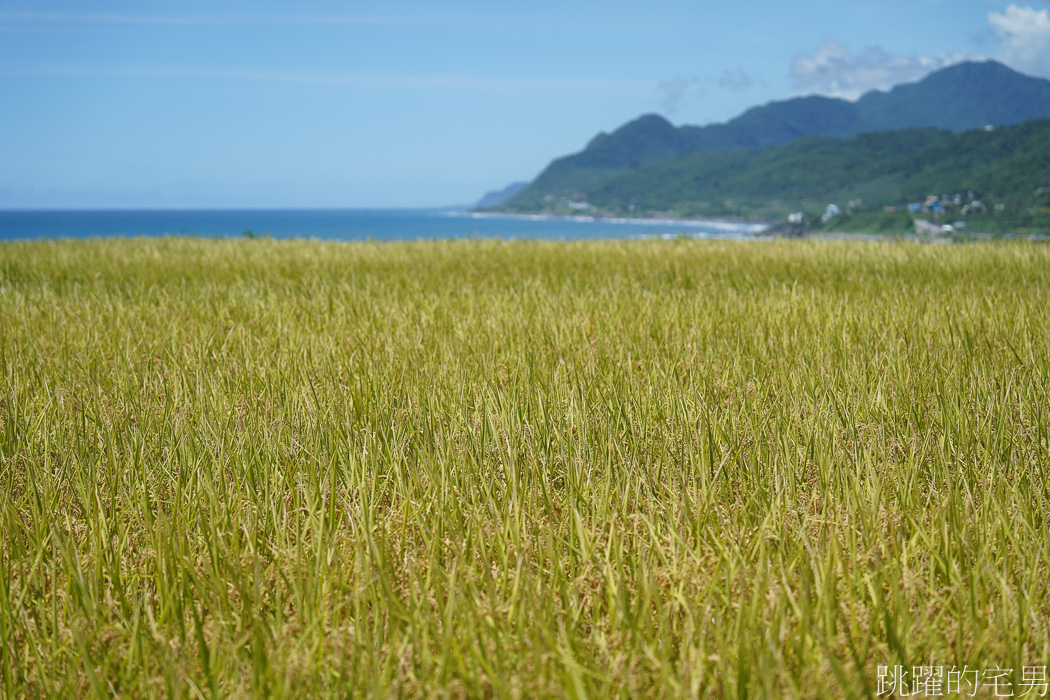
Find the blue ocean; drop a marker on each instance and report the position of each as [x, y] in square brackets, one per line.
[347, 225]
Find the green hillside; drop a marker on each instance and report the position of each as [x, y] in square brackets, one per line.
[1006, 165]
[812, 168]
[965, 96]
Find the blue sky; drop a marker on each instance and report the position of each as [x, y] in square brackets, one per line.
[335, 104]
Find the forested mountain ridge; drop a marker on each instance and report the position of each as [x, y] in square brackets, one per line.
[961, 97]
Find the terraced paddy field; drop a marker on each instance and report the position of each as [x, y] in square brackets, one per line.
[520, 469]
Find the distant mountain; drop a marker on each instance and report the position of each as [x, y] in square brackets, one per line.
[960, 97]
[888, 167]
[495, 198]
[964, 96]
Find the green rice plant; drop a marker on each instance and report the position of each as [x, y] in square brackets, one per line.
[519, 469]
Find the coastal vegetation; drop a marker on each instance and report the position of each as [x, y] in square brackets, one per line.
[1005, 169]
[975, 128]
[963, 97]
[520, 469]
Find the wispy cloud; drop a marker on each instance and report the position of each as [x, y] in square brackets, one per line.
[734, 80]
[1024, 37]
[225, 21]
[350, 80]
[834, 70]
[674, 91]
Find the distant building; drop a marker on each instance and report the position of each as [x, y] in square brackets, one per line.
[830, 213]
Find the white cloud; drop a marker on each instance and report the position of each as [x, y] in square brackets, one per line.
[734, 80]
[834, 70]
[675, 90]
[1024, 37]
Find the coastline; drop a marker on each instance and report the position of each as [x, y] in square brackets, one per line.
[725, 224]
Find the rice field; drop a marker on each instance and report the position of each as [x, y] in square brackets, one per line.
[243, 468]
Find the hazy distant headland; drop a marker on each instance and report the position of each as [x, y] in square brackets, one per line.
[968, 145]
